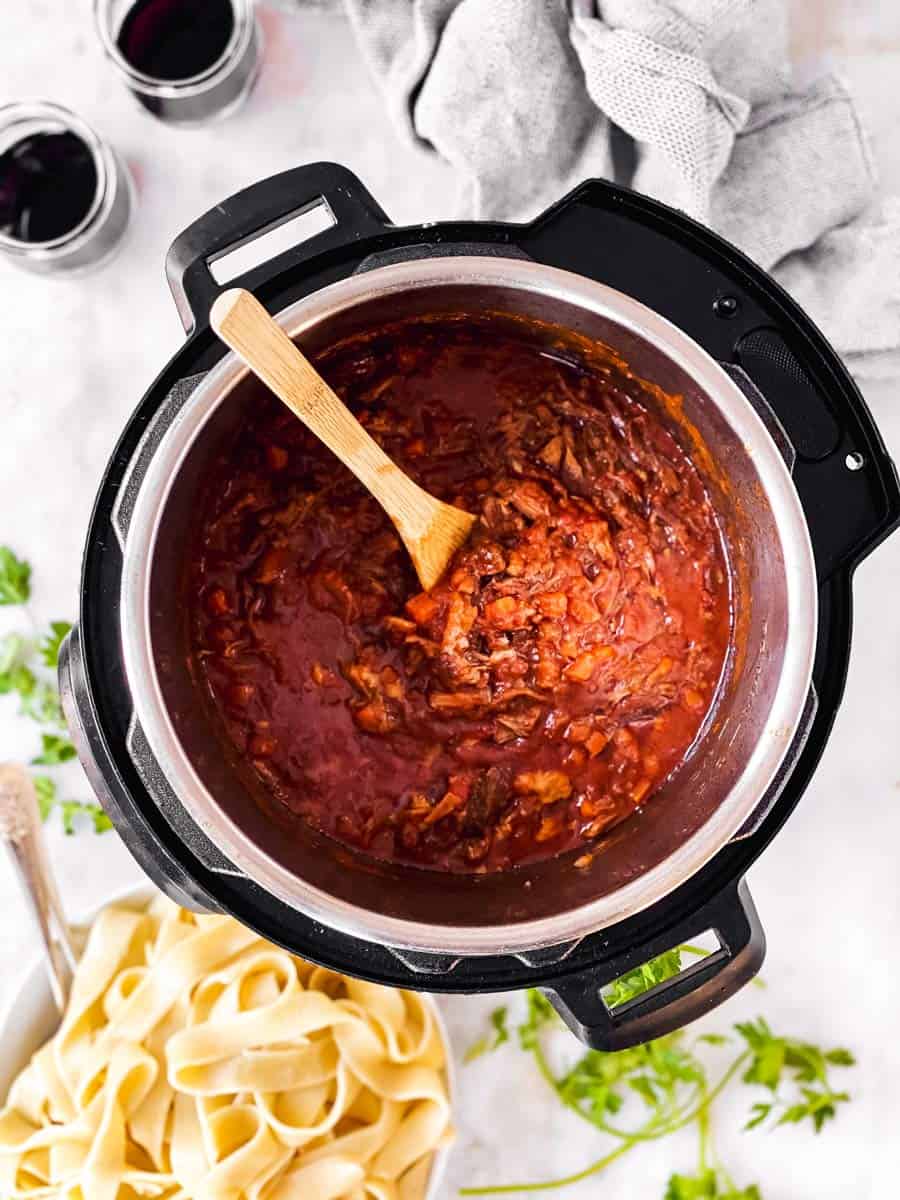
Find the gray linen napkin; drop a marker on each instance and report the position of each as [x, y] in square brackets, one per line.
[689, 101]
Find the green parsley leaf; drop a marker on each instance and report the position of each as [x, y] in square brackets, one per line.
[486, 1044]
[21, 679]
[41, 702]
[14, 578]
[758, 1113]
[643, 978]
[81, 808]
[480, 1046]
[645, 1089]
[12, 651]
[55, 750]
[70, 810]
[102, 823]
[498, 1020]
[38, 699]
[818, 1106]
[540, 1014]
[45, 789]
[706, 1185]
[768, 1053]
[52, 641]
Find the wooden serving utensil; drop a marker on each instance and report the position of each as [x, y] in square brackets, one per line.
[431, 530]
[22, 833]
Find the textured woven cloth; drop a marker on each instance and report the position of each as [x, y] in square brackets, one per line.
[690, 101]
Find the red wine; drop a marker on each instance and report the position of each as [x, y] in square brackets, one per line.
[175, 39]
[48, 182]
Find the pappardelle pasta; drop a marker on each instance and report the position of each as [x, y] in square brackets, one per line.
[197, 1060]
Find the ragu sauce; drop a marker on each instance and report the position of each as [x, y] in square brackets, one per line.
[551, 681]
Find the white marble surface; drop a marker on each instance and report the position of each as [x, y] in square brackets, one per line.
[76, 357]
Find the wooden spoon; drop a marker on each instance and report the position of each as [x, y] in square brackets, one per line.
[431, 530]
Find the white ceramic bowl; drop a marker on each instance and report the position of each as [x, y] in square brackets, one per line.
[30, 1018]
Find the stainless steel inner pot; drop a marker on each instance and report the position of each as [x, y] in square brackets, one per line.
[707, 802]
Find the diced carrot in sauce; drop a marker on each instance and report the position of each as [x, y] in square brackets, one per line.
[586, 664]
[596, 743]
[374, 717]
[444, 807]
[550, 827]
[638, 793]
[583, 610]
[578, 731]
[277, 457]
[422, 608]
[546, 673]
[660, 671]
[553, 604]
[464, 582]
[508, 613]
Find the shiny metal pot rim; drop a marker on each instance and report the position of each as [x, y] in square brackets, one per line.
[744, 797]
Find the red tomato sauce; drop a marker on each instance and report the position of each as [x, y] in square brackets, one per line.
[551, 681]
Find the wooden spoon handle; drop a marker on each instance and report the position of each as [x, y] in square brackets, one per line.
[430, 529]
[243, 324]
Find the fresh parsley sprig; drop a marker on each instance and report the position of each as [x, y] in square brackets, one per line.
[38, 698]
[56, 750]
[52, 641]
[69, 810]
[15, 578]
[24, 672]
[672, 1080]
[805, 1068]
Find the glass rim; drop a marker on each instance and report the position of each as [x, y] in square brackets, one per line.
[35, 111]
[170, 89]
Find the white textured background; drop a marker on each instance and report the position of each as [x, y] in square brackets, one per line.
[76, 357]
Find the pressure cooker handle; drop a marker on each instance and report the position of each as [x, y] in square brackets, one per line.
[680, 1000]
[258, 210]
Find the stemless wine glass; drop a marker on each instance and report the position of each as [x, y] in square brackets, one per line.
[96, 233]
[209, 92]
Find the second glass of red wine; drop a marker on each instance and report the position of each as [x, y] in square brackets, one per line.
[186, 61]
[65, 194]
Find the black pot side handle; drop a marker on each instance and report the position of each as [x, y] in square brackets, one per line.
[701, 986]
[258, 210]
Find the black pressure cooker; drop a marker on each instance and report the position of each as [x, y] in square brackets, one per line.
[811, 491]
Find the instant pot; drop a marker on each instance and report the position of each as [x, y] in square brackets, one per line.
[798, 472]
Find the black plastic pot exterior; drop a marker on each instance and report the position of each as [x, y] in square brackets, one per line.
[740, 317]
